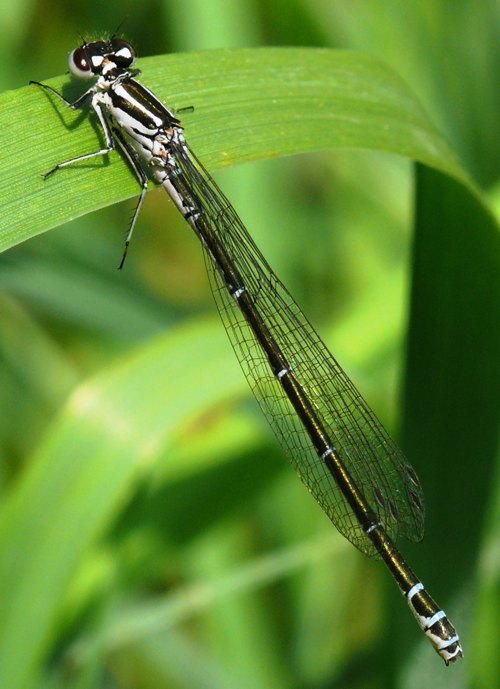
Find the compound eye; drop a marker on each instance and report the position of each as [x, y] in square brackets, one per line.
[79, 64]
[123, 52]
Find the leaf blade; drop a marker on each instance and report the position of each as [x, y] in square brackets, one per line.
[249, 105]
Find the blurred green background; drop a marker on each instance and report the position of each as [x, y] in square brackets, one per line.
[185, 552]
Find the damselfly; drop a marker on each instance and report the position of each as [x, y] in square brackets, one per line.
[336, 444]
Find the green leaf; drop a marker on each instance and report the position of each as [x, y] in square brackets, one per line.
[452, 386]
[76, 482]
[249, 105]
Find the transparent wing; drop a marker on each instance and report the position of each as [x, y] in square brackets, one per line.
[380, 470]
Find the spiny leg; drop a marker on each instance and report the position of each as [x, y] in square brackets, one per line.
[110, 137]
[143, 181]
[82, 101]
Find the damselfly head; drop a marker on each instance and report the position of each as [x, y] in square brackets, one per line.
[101, 57]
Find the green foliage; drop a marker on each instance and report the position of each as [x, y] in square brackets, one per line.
[151, 534]
[281, 100]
